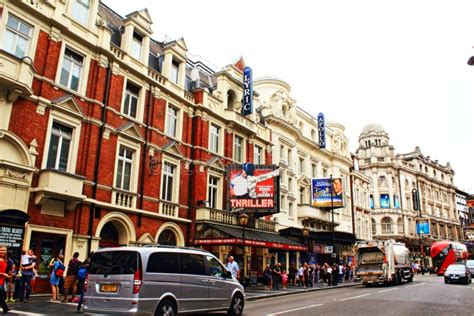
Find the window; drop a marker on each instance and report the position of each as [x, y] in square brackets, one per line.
[71, 70]
[136, 47]
[212, 194]
[163, 262]
[238, 148]
[215, 268]
[124, 168]
[400, 226]
[192, 264]
[214, 139]
[258, 155]
[290, 209]
[17, 37]
[290, 184]
[282, 152]
[371, 201]
[374, 228]
[80, 11]
[174, 72]
[387, 226]
[314, 167]
[167, 182]
[301, 161]
[60, 143]
[172, 120]
[325, 172]
[302, 194]
[130, 102]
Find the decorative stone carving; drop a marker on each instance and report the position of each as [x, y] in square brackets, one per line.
[282, 106]
[14, 174]
[339, 143]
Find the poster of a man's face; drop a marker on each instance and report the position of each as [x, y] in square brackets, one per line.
[337, 186]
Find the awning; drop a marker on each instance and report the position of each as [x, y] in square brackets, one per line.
[254, 238]
[321, 237]
[14, 217]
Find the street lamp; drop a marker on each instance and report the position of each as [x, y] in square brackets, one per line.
[243, 221]
[306, 234]
[331, 183]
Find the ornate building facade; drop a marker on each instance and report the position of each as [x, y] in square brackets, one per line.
[396, 179]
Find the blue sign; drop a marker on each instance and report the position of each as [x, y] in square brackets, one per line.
[321, 193]
[247, 100]
[384, 201]
[321, 131]
[422, 226]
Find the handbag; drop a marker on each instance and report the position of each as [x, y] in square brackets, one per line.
[59, 271]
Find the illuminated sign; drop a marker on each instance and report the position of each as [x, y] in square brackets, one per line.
[423, 226]
[321, 131]
[247, 100]
[321, 193]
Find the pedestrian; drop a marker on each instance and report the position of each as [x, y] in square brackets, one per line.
[329, 275]
[28, 263]
[56, 275]
[70, 282]
[305, 275]
[233, 267]
[81, 282]
[292, 274]
[317, 274]
[310, 275]
[300, 276]
[10, 283]
[276, 275]
[341, 273]
[325, 272]
[347, 272]
[284, 279]
[4, 274]
[335, 274]
[267, 278]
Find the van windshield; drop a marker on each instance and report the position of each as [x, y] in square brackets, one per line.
[114, 262]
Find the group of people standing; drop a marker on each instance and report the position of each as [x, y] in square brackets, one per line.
[22, 273]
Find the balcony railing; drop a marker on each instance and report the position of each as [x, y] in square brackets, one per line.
[169, 209]
[225, 217]
[16, 74]
[124, 198]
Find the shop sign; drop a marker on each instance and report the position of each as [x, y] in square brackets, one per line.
[328, 249]
[253, 243]
[11, 237]
[254, 188]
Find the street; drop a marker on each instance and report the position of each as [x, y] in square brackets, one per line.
[427, 295]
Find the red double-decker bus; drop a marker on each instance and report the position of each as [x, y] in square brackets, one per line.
[444, 253]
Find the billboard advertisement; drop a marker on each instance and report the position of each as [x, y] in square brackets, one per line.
[384, 201]
[423, 226]
[321, 193]
[254, 187]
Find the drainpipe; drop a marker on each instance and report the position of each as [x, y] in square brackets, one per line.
[351, 177]
[142, 182]
[92, 207]
[191, 191]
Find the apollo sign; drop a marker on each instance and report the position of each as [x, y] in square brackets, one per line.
[247, 100]
[321, 131]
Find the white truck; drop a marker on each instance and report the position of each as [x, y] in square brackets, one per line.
[383, 262]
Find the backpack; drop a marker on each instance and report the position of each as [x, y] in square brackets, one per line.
[82, 273]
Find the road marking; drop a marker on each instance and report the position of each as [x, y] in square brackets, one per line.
[294, 310]
[353, 297]
[18, 312]
[416, 285]
[395, 288]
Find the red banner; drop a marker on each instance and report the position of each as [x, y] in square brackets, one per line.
[252, 243]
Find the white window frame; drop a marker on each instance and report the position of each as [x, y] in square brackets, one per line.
[134, 44]
[218, 191]
[85, 67]
[66, 120]
[132, 96]
[174, 72]
[140, 101]
[240, 159]
[220, 140]
[61, 142]
[133, 145]
[179, 114]
[17, 34]
[124, 161]
[258, 159]
[301, 166]
[78, 4]
[176, 179]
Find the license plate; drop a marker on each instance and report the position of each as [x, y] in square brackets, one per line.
[109, 288]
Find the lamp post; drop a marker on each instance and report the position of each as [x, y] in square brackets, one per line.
[417, 207]
[243, 221]
[332, 216]
[306, 234]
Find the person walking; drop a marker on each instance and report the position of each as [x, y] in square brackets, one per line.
[292, 272]
[70, 282]
[284, 279]
[325, 272]
[300, 276]
[81, 282]
[4, 274]
[335, 274]
[56, 275]
[28, 263]
[233, 267]
[267, 278]
[276, 275]
[329, 275]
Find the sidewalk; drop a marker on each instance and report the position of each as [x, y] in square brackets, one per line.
[258, 292]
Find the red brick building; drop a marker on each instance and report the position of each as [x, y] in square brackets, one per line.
[109, 137]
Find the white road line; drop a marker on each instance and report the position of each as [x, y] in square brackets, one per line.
[353, 297]
[294, 310]
[395, 288]
[416, 285]
[17, 312]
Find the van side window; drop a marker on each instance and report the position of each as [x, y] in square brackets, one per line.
[163, 262]
[215, 268]
[192, 264]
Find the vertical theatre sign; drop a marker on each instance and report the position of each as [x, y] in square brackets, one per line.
[247, 100]
[321, 131]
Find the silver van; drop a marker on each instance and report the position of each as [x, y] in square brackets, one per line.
[160, 280]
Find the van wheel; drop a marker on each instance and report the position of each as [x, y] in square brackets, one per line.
[166, 308]
[237, 306]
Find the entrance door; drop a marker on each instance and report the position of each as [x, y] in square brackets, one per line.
[45, 246]
[109, 236]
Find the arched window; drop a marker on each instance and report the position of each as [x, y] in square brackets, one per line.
[400, 226]
[387, 226]
[230, 99]
[109, 236]
[167, 237]
[374, 227]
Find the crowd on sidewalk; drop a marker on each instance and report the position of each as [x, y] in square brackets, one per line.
[306, 275]
[17, 278]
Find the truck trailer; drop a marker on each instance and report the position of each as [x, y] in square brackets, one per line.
[383, 262]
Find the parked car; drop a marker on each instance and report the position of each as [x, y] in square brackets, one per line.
[160, 280]
[470, 266]
[457, 273]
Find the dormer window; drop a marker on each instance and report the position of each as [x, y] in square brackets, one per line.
[174, 72]
[136, 47]
[80, 11]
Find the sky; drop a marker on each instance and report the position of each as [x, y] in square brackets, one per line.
[402, 64]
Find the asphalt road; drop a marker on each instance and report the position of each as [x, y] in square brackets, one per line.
[427, 295]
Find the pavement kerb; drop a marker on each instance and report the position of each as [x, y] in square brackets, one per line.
[263, 296]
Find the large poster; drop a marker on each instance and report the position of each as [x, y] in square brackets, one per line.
[321, 190]
[254, 187]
